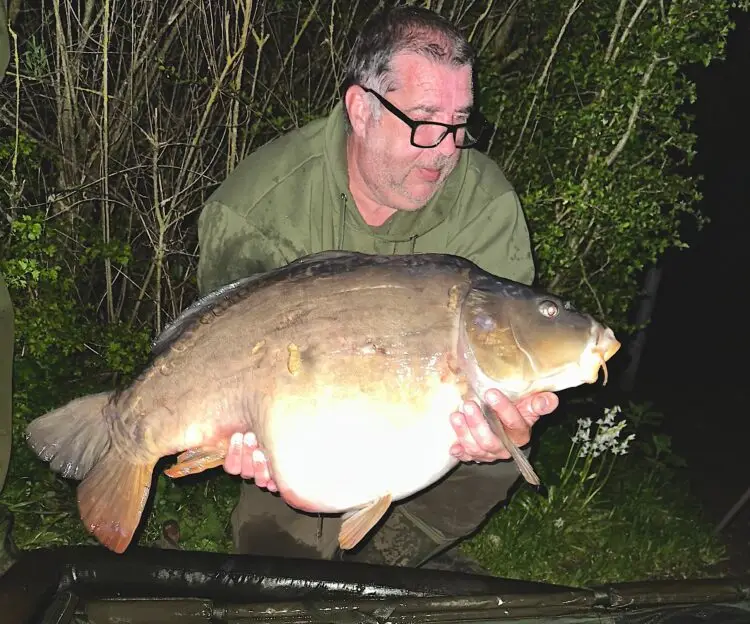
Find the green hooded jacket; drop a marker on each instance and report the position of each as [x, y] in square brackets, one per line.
[6, 311]
[291, 198]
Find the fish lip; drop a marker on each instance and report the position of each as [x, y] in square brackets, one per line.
[594, 376]
[605, 345]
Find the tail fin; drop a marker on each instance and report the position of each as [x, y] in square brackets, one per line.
[73, 437]
[111, 499]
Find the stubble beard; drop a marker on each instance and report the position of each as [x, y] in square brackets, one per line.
[391, 182]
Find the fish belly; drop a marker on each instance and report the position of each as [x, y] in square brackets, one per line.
[334, 454]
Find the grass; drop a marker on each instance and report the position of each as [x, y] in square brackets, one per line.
[46, 515]
[44, 505]
[641, 525]
[615, 512]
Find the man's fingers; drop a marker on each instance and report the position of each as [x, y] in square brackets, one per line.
[244, 458]
[461, 455]
[233, 460]
[480, 430]
[260, 469]
[249, 444]
[263, 471]
[509, 415]
[476, 440]
[461, 422]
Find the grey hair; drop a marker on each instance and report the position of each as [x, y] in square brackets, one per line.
[403, 29]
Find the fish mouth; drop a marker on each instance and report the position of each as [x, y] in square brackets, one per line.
[605, 346]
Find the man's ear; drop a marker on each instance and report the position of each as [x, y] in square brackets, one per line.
[358, 108]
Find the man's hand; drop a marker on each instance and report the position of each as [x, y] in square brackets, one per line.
[477, 442]
[247, 460]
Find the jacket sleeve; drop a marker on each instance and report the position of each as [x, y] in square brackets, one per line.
[230, 248]
[6, 378]
[497, 239]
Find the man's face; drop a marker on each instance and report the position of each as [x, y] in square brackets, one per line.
[398, 174]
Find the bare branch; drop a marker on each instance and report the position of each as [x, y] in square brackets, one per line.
[628, 29]
[104, 145]
[481, 18]
[541, 81]
[617, 150]
[500, 32]
[585, 280]
[17, 134]
[615, 30]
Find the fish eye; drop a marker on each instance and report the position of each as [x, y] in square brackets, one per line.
[549, 309]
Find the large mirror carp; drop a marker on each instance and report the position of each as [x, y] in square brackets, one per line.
[346, 366]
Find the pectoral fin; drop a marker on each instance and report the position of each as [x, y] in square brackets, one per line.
[359, 524]
[524, 467]
[196, 460]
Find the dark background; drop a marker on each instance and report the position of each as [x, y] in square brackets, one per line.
[695, 362]
[701, 312]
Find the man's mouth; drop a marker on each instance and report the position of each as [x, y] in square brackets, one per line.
[429, 174]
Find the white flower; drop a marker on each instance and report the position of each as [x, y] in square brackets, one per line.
[559, 523]
[622, 449]
[584, 450]
[607, 435]
[583, 434]
[609, 415]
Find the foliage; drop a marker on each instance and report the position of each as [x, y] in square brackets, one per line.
[200, 505]
[593, 132]
[606, 517]
[117, 119]
[585, 96]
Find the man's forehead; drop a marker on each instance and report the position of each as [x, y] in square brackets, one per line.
[413, 68]
[424, 79]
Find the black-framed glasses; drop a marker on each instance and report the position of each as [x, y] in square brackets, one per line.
[428, 134]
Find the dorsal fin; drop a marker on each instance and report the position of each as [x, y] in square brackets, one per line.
[322, 263]
[198, 308]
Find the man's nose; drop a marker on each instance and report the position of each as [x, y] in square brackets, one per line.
[448, 145]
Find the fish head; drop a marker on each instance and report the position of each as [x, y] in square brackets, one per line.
[521, 341]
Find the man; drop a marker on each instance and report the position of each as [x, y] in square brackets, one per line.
[384, 173]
